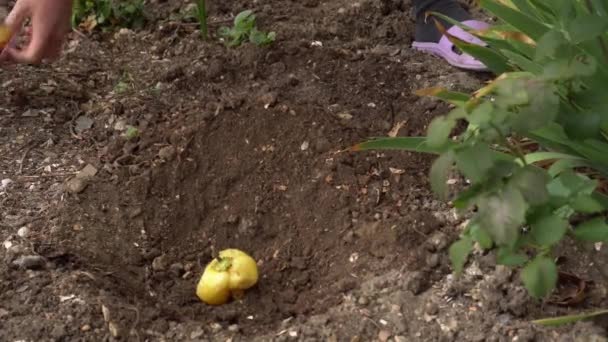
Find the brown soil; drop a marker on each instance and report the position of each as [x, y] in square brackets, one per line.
[237, 148]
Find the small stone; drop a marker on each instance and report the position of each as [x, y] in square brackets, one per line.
[363, 301]
[431, 308]
[268, 100]
[85, 328]
[304, 146]
[400, 339]
[438, 242]
[384, 335]
[5, 182]
[30, 262]
[167, 153]
[87, 172]
[232, 219]
[197, 333]
[433, 260]
[76, 185]
[233, 328]
[83, 123]
[105, 312]
[160, 263]
[3, 313]
[215, 327]
[58, 332]
[114, 329]
[23, 232]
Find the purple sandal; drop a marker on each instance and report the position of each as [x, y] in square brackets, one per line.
[446, 50]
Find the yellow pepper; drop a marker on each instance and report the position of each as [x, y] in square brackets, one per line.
[5, 36]
[228, 275]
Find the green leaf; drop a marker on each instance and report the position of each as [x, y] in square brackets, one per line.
[260, 38]
[475, 161]
[481, 236]
[594, 230]
[502, 215]
[586, 27]
[549, 230]
[507, 257]
[482, 114]
[532, 183]
[549, 44]
[581, 125]
[453, 97]
[459, 252]
[540, 276]
[439, 131]
[413, 144]
[439, 173]
[586, 204]
[245, 19]
[542, 109]
[494, 61]
[570, 183]
[564, 165]
[536, 157]
[464, 199]
[521, 21]
[523, 63]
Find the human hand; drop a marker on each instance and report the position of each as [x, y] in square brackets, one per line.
[50, 24]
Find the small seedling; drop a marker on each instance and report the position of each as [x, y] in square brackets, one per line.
[245, 28]
[131, 133]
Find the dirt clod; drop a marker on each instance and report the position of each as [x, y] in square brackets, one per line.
[30, 262]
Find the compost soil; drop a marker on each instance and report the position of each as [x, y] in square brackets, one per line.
[142, 153]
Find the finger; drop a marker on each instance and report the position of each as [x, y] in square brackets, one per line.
[16, 17]
[31, 54]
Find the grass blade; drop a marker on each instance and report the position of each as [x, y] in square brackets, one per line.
[562, 320]
[523, 22]
[413, 144]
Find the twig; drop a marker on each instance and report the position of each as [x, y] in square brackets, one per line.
[27, 150]
[50, 175]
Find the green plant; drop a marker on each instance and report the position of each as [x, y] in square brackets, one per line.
[245, 28]
[201, 8]
[107, 13]
[535, 149]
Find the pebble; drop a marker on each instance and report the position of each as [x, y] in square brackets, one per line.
[197, 333]
[114, 329]
[58, 332]
[384, 335]
[167, 153]
[5, 182]
[30, 262]
[215, 327]
[160, 263]
[431, 308]
[233, 328]
[363, 301]
[23, 232]
[85, 328]
[432, 261]
[400, 339]
[76, 185]
[87, 172]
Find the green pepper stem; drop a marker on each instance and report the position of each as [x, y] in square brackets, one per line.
[223, 264]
